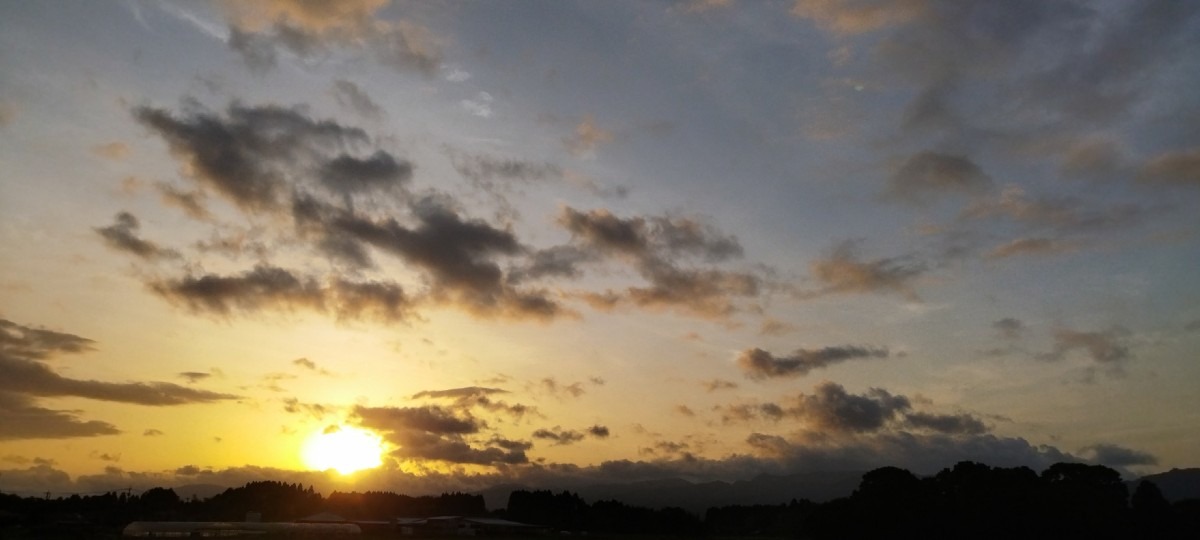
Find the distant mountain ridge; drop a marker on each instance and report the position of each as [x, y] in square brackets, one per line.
[697, 497]
[1176, 484]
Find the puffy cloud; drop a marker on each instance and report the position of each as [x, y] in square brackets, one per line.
[1118, 456]
[843, 272]
[598, 431]
[349, 174]
[759, 364]
[831, 408]
[438, 433]
[246, 154]
[927, 175]
[269, 287]
[122, 235]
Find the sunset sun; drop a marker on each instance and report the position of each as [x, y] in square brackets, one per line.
[344, 449]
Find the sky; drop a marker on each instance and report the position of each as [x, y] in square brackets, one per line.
[550, 242]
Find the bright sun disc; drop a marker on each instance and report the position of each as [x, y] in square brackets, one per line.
[346, 450]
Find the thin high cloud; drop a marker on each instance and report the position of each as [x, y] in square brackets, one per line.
[759, 364]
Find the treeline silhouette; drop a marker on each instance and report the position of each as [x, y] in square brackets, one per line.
[969, 500]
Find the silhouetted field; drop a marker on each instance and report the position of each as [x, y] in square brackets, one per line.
[970, 500]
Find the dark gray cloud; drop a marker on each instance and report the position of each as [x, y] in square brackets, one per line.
[485, 171]
[831, 408]
[926, 176]
[656, 247]
[759, 364]
[842, 272]
[351, 96]
[438, 433]
[598, 431]
[257, 51]
[122, 236]
[272, 288]
[556, 261]
[429, 419]
[558, 436]
[950, 424]
[379, 171]
[245, 155]
[1118, 456]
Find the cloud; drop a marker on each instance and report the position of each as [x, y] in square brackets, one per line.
[656, 247]
[1009, 328]
[950, 424]
[598, 431]
[759, 364]
[1031, 246]
[311, 366]
[858, 17]
[152, 433]
[480, 105]
[246, 154]
[194, 376]
[352, 97]
[458, 393]
[437, 433]
[309, 29]
[1112, 455]
[928, 175]
[1107, 347]
[587, 138]
[559, 390]
[269, 287]
[379, 171]
[1062, 214]
[37, 343]
[20, 419]
[115, 150]
[842, 272]
[558, 436]
[718, 384]
[191, 202]
[1173, 168]
[35, 379]
[122, 236]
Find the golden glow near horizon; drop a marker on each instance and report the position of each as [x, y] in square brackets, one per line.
[344, 449]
